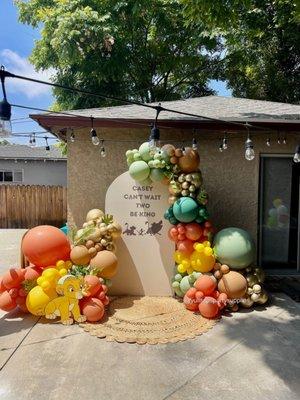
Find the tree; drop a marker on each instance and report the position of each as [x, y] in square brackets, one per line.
[139, 50]
[261, 44]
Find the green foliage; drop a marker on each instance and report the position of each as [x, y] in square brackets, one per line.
[261, 44]
[133, 49]
[4, 142]
[62, 147]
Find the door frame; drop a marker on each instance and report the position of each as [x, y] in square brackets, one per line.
[275, 271]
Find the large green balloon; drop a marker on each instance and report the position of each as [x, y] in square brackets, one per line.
[156, 175]
[144, 151]
[139, 170]
[234, 247]
[185, 209]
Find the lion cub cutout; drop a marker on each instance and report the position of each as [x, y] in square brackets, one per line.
[71, 290]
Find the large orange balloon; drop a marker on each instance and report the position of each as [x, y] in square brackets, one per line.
[45, 245]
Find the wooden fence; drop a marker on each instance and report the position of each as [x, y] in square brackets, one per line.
[28, 206]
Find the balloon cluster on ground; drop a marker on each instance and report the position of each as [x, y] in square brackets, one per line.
[210, 275]
[66, 277]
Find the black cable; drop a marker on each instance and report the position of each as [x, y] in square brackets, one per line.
[158, 108]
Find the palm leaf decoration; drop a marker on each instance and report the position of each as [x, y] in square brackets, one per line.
[86, 232]
[107, 219]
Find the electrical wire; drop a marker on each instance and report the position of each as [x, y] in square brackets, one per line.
[159, 108]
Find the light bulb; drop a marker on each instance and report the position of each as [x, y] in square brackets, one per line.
[95, 139]
[72, 137]
[297, 155]
[194, 144]
[103, 152]
[279, 140]
[154, 139]
[249, 154]
[268, 142]
[183, 150]
[224, 144]
[5, 128]
[284, 140]
[220, 148]
[249, 151]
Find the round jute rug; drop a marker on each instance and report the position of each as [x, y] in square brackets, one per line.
[149, 320]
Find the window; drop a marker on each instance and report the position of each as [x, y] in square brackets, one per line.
[278, 212]
[11, 176]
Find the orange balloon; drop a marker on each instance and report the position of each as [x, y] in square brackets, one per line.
[107, 262]
[7, 302]
[44, 245]
[189, 162]
[93, 284]
[205, 284]
[190, 303]
[2, 287]
[92, 308]
[185, 246]
[13, 277]
[209, 307]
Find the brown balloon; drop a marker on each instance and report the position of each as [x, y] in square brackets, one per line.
[189, 162]
[106, 262]
[169, 149]
[233, 284]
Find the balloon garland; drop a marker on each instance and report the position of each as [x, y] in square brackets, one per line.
[65, 273]
[209, 275]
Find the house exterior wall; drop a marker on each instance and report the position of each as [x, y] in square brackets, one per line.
[38, 172]
[231, 181]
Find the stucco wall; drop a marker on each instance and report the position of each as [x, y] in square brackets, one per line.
[231, 181]
[38, 172]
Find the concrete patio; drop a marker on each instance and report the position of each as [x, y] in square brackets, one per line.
[251, 354]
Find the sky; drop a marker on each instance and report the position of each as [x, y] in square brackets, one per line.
[16, 43]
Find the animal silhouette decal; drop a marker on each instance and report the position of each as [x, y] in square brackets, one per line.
[153, 228]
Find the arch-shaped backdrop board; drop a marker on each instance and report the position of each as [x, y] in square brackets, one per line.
[144, 251]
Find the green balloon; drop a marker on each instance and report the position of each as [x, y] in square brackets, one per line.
[185, 209]
[156, 175]
[139, 170]
[144, 151]
[234, 247]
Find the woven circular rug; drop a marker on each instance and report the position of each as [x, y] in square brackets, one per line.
[149, 320]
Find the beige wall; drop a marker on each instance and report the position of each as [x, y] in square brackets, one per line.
[231, 181]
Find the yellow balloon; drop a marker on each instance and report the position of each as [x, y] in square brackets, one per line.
[37, 300]
[202, 259]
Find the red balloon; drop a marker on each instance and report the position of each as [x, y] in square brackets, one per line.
[45, 245]
[209, 307]
[193, 231]
[185, 246]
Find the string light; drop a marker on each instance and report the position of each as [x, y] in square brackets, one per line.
[297, 155]
[224, 142]
[102, 151]
[268, 142]
[47, 144]
[221, 147]
[95, 139]
[284, 141]
[194, 144]
[5, 110]
[154, 139]
[72, 136]
[249, 150]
